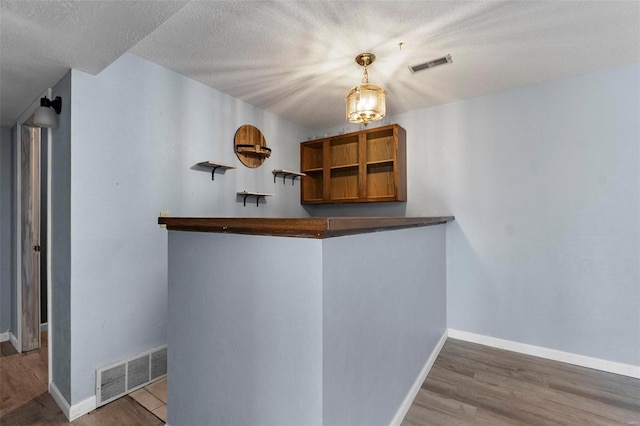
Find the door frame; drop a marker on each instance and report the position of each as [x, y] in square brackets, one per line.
[24, 117]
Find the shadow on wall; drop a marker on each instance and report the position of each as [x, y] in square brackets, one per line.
[364, 209]
[466, 299]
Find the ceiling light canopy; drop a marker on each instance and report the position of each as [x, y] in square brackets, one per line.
[365, 103]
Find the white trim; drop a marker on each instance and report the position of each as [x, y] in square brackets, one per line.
[59, 399]
[4, 336]
[74, 411]
[18, 219]
[82, 408]
[17, 340]
[413, 391]
[552, 354]
[44, 327]
[49, 269]
[18, 224]
[14, 341]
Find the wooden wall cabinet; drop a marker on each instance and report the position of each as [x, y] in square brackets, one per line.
[361, 167]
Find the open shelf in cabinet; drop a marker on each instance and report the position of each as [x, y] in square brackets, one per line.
[379, 162]
[313, 185]
[311, 156]
[344, 184]
[380, 146]
[343, 151]
[346, 166]
[380, 180]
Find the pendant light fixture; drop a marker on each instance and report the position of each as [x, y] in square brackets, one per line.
[365, 103]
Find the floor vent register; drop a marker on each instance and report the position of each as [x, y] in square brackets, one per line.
[123, 377]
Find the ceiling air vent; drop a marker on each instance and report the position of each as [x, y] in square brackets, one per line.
[431, 64]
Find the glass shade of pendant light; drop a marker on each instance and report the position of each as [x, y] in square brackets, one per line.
[365, 103]
[46, 115]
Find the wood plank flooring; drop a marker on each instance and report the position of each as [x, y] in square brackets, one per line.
[7, 349]
[43, 410]
[153, 397]
[24, 399]
[22, 378]
[472, 384]
[469, 384]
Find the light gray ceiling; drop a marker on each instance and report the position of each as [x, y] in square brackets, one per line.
[295, 58]
[41, 40]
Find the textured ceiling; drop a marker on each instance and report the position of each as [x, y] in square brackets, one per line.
[41, 40]
[295, 58]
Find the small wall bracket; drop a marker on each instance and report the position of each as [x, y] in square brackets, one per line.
[258, 195]
[213, 171]
[286, 173]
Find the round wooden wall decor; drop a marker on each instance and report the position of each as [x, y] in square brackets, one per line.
[250, 146]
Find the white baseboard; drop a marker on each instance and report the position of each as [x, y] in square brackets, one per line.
[411, 395]
[72, 412]
[4, 336]
[59, 399]
[44, 327]
[82, 408]
[552, 354]
[14, 341]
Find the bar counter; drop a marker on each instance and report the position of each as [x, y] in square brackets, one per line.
[316, 227]
[302, 321]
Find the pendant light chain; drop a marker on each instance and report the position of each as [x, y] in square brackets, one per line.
[365, 77]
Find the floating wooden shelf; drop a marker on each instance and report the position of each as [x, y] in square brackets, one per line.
[257, 150]
[373, 163]
[286, 173]
[258, 195]
[345, 166]
[215, 166]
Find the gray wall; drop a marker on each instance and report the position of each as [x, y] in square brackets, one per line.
[277, 331]
[531, 174]
[544, 184]
[543, 181]
[6, 226]
[137, 131]
[384, 307]
[245, 336]
[61, 241]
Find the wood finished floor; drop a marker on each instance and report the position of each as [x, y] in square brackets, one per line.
[153, 397]
[472, 384]
[469, 384]
[7, 349]
[24, 400]
[22, 378]
[43, 410]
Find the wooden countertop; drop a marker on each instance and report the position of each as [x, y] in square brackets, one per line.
[312, 227]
